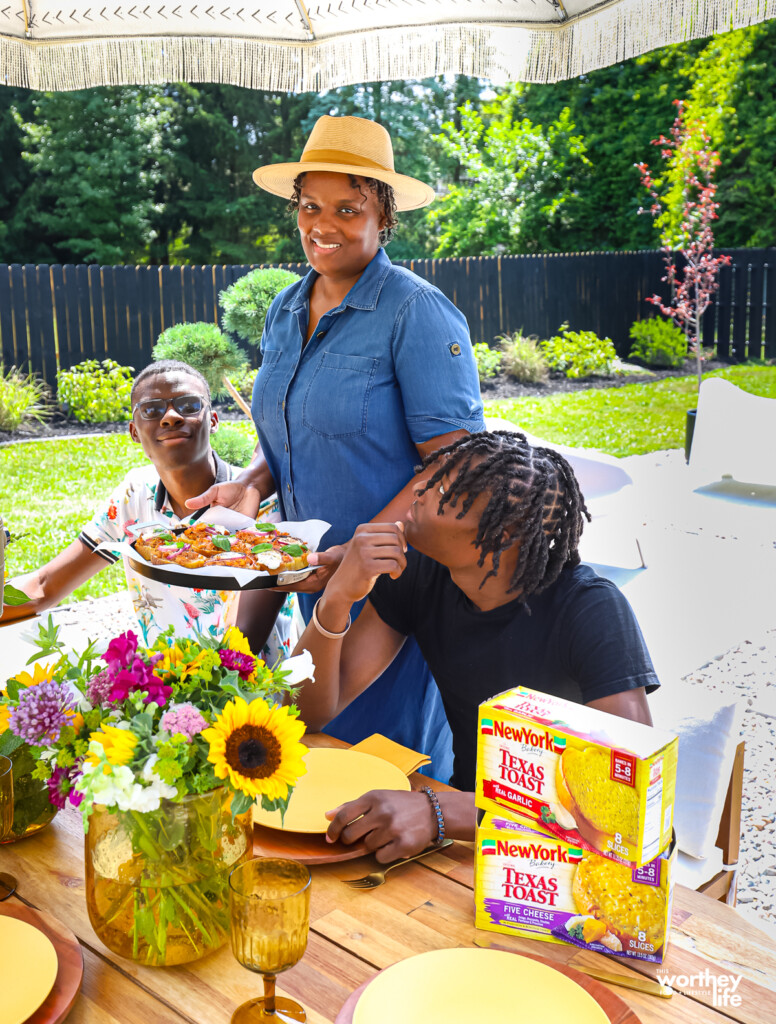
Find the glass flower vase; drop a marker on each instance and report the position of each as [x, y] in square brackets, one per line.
[157, 887]
[32, 809]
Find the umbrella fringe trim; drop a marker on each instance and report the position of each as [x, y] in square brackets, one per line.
[612, 32]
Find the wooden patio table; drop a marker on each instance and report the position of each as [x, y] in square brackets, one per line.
[353, 934]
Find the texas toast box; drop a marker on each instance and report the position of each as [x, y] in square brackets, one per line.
[532, 884]
[595, 780]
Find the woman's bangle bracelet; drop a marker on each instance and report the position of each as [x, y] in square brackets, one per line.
[438, 814]
[322, 629]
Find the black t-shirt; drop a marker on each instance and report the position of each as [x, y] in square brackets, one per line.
[580, 642]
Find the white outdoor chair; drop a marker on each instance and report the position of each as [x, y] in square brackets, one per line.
[734, 436]
[709, 786]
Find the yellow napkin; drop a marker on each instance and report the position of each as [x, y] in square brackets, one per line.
[405, 759]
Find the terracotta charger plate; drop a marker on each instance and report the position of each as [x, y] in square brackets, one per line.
[466, 984]
[41, 990]
[334, 776]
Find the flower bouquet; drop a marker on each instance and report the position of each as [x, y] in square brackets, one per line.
[163, 750]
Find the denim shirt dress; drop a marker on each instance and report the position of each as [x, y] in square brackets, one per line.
[339, 419]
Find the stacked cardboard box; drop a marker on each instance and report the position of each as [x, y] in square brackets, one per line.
[576, 845]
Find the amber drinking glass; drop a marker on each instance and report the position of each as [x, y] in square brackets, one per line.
[6, 796]
[269, 904]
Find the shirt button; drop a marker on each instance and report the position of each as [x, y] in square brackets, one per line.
[286, 447]
[288, 487]
[321, 334]
[284, 405]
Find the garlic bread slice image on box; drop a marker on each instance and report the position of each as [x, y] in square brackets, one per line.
[600, 806]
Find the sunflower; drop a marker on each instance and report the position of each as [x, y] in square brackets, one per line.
[258, 747]
[40, 674]
[117, 744]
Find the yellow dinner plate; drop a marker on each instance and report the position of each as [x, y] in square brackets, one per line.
[333, 777]
[28, 969]
[460, 986]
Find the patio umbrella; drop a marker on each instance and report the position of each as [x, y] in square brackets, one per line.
[298, 45]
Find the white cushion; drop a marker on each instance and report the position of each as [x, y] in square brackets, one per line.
[709, 730]
[733, 435]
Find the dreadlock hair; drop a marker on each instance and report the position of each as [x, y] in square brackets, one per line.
[533, 498]
[381, 189]
[169, 366]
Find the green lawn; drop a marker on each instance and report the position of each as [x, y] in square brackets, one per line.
[631, 420]
[49, 489]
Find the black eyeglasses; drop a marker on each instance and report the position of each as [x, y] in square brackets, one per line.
[184, 405]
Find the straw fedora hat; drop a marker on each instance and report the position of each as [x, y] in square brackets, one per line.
[347, 145]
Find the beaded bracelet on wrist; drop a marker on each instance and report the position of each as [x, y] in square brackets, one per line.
[437, 814]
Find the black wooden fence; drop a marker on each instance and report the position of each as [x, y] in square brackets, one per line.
[57, 316]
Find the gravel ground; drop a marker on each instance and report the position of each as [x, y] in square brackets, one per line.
[747, 671]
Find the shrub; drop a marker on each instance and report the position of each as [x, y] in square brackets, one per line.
[95, 392]
[488, 360]
[22, 397]
[245, 303]
[206, 348]
[658, 342]
[233, 446]
[579, 353]
[522, 358]
[243, 381]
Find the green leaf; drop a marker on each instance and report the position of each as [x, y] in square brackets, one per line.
[262, 547]
[266, 528]
[241, 803]
[13, 597]
[223, 543]
[293, 549]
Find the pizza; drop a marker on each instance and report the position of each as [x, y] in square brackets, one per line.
[262, 547]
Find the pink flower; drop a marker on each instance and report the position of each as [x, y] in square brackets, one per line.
[139, 677]
[120, 651]
[183, 718]
[60, 787]
[243, 664]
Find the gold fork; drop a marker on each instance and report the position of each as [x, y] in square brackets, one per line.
[375, 878]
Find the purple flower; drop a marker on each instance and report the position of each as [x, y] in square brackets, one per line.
[60, 787]
[41, 712]
[139, 677]
[98, 688]
[183, 718]
[243, 664]
[121, 650]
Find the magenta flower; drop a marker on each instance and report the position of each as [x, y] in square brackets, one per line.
[243, 664]
[41, 712]
[183, 718]
[121, 650]
[60, 787]
[139, 677]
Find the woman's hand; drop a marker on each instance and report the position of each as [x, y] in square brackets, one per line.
[392, 824]
[374, 550]
[234, 495]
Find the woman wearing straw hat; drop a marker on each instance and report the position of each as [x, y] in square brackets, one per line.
[365, 367]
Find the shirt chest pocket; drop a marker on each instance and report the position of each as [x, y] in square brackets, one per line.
[337, 397]
[261, 405]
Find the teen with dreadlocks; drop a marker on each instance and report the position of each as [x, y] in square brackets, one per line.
[493, 591]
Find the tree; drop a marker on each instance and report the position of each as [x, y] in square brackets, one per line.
[520, 193]
[688, 150]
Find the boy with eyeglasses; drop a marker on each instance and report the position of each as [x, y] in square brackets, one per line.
[172, 420]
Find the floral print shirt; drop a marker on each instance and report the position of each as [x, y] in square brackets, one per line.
[141, 498]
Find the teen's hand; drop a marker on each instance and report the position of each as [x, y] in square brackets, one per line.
[374, 550]
[392, 824]
[230, 495]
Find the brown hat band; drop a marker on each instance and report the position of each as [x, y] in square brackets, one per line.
[339, 156]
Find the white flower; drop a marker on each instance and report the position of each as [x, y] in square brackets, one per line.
[301, 667]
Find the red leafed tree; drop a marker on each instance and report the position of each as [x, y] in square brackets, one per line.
[692, 162]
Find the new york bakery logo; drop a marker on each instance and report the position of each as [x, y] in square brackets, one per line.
[520, 734]
[532, 851]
